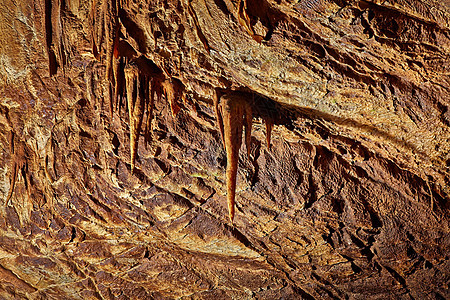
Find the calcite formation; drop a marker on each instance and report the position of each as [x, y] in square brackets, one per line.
[234, 113]
[121, 124]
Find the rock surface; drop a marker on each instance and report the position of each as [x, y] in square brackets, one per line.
[113, 172]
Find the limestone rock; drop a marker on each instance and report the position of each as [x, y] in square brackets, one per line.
[113, 172]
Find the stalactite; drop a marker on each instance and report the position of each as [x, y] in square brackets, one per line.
[137, 97]
[54, 38]
[144, 82]
[112, 33]
[148, 121]
[99, 29]
[118, 83]
[130, 70]
[109, 11]
[122, 53]
[94, 20]
[269, 126]
[59, 38]
[155, 91]
[171, 94]
[104, 19]
[234, 112]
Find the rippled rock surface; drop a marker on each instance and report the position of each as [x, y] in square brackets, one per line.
[113, 179]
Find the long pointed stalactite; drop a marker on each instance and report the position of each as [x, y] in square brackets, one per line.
[234, 112]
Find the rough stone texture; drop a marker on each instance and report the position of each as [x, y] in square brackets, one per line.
[350, 202]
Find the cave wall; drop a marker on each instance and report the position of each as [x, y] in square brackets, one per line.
[113, 170]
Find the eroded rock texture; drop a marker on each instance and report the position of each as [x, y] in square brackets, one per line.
[113, 170]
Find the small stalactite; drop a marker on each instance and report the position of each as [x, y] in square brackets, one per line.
[53, 12]
[137, 97]
[145, 82]
[155, 91]
[234, 113]
[268, 110]
[122, 54]
[130, 72]
[172, 93]
[111, 20]
[105, 24]
[269, 126]
[95, 19]
[112, 27]
[59, 39]
[118, 83]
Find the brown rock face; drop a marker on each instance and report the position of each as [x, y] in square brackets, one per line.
[113, 173]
